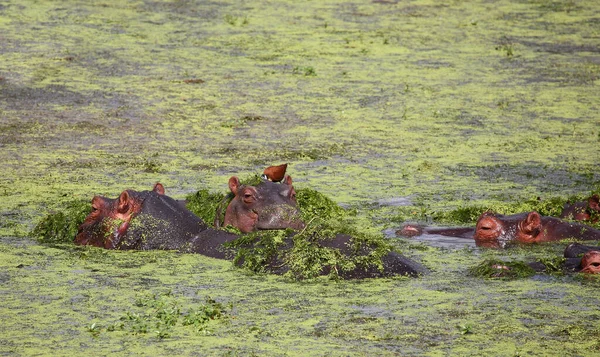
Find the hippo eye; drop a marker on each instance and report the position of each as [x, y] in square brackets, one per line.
[248, 197]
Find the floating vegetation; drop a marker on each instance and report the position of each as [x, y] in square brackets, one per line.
[306, 255]
[160, 313]
[61, 226]
[204, 204]
[498, 269]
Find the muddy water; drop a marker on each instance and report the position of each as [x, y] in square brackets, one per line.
[458, 104]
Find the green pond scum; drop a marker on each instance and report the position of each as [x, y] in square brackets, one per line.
[396, 110]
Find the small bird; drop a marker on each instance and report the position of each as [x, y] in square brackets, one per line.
[274, 173]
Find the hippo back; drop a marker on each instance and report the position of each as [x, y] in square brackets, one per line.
[394, 264]
[162, 223]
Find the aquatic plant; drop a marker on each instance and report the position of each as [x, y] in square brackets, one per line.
[205, 204]
[161, 312]
[61, 226]
[498, 269]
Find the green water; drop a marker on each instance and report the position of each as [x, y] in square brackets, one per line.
[436, 105]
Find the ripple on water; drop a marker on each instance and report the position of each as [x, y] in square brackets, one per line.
[436, 240]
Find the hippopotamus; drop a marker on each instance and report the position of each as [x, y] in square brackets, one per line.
[268, 205]
[146, 220]
[588, 210]
[588, 256]
[579, 258]
[496, 231]
[272, 205]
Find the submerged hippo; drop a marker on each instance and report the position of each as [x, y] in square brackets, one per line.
[578, 258]
[272, 205]
[588, 210]
[151, 220]
[146, 220]
[496, 231]
[589, 257]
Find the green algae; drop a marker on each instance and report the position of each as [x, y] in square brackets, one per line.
[61, 226]
[206, 204]
[410, 100]
[271, 316]
[305, 254]
[491, 268]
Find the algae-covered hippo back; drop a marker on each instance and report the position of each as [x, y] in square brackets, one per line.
[162, 223]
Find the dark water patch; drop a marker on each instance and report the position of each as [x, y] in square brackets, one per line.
[433, 64]
[29, 98]
[372, 311]
[566, 73]
[208, 11]
[543, 177]
[13, 97]
[557, 6]
[559, 48]
[370, 101]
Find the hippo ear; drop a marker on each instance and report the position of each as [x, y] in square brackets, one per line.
[287, 180]
[123, 204]
[98, 202]
[159, 188]
[532, 224]
[234, 184]
[594, 202]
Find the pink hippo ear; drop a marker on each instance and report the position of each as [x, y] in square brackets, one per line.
[287, 180]
[124, 202]
[532, 224]
[234, 184]
[594, 202]
[159, 188]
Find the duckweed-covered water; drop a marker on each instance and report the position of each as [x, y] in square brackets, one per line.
[401, 111]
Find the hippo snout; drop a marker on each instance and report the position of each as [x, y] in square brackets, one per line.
[280, 217]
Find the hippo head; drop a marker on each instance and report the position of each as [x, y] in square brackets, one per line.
[583, 210]
[137, 220]
[496, 231]
[590, 263]
[594, 205]
[110, 218]
[268, 205]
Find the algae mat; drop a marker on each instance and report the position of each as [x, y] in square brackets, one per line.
[394, 108]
